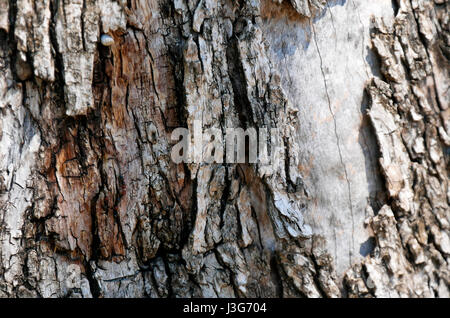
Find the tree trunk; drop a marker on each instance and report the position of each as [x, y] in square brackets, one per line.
[92, 204]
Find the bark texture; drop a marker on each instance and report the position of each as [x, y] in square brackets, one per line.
[91, 204]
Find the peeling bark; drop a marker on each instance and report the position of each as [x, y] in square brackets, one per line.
[91, 204]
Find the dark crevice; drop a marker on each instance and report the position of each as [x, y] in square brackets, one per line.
[237, 78]
[275, 275]
[93, 283]
[317, 281]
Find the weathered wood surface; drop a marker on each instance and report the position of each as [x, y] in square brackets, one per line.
[91, 204]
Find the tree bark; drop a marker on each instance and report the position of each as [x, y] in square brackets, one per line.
[92, 205]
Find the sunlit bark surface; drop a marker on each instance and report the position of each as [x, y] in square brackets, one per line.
[92, 205]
